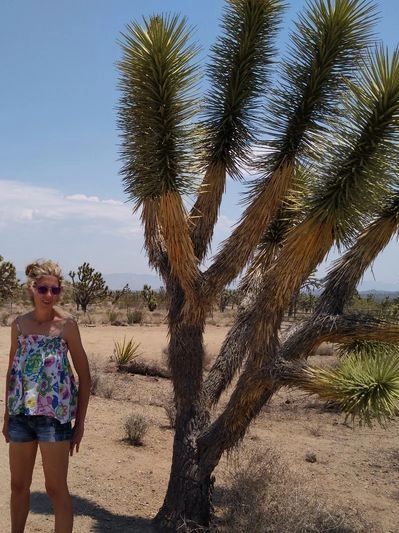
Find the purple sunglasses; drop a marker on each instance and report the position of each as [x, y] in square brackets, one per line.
[43, 289]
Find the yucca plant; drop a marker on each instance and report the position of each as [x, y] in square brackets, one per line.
[366, 388]
[125, 351]
[323, 142]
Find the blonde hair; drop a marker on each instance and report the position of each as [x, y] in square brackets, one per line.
[42, 267]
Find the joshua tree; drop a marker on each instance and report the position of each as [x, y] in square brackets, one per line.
[8, 279]
[88, 287]
[323, 143]
[149, 297]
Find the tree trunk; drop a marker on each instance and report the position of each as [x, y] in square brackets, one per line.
[188, 501]
[188, 497]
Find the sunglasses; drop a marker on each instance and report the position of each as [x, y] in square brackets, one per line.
[43, 289]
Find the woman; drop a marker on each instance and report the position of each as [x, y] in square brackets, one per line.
[42, 398]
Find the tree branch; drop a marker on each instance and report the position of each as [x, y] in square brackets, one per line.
[205, 211]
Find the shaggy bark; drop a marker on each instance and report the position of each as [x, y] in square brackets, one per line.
[189, 492]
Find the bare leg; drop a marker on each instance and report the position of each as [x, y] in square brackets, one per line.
[22, 461]
[55, 456]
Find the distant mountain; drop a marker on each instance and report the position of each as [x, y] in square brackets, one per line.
[379, 295]
[379, 286]
[135, 281]
[118, 281]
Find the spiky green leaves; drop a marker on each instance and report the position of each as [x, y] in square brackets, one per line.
[364, 385]
[156, 107]
[329, 40]
[355, 178]
[241, 60]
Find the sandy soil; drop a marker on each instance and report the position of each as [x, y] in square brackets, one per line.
[117, 487]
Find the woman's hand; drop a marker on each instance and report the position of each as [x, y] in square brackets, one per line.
[5, 429]
[77, 436]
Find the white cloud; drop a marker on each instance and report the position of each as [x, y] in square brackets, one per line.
[21, 202]
[82, 198]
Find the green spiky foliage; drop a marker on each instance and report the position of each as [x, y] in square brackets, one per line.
[125, 351]
[330, 38]
[356, 171]
[158, 75]
[365, 384]
[353, 178]
[238, 73]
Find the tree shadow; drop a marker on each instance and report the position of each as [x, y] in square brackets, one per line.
[105, 521]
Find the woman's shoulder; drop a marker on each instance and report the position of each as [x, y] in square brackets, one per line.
[67, 322]
[21, 319]
[63, 315]
[24, 316]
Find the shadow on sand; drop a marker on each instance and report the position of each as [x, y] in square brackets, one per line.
[105, 521]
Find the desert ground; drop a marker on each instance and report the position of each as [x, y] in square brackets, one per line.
[118, 487]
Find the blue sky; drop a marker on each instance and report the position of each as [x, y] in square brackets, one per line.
[60, 192]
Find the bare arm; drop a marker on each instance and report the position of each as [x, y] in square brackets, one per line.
[13, 349]
[81, 365]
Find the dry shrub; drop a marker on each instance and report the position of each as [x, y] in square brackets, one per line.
[170, 410]
[100, 385]
[145, 368]
[262, 495]
[105, 388]
[315, 430]
[85, 319]
[95, 373]
[134, 317]
[112, 315]
[135, 428]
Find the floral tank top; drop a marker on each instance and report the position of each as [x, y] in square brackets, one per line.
[41, 381]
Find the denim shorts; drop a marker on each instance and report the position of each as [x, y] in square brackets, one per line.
[26, 428]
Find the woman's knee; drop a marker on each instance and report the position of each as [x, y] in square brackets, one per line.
[20, 487]
[57, 491]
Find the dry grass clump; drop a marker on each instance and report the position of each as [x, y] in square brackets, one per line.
[134, 317]
[95, 373]
[112, 315]
[262, 495]
[135, 428]
[170, 410]
[101, 385]
[105, 388]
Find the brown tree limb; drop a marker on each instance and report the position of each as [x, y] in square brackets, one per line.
[205, 211]
[342, 280]
[237, 249]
